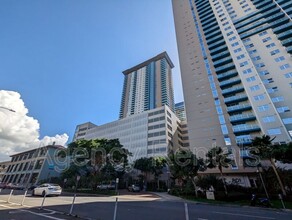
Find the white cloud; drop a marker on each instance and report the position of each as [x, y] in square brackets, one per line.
[18, 131]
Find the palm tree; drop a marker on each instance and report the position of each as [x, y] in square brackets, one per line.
[266, 151]
[216, 158]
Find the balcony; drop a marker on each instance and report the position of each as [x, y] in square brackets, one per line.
[216, 44]
[236, 98]
[280, 21]
[286, 5]
[214, 33]
[245, 128]
[215, 39]
[218, 49]
[230, 82]
[242, 118]
[238, 108]
[222, 62]
[255, 31]
[206, 27]
[251, 26]
[260, 4]
[232, 90]
[227, 75]
[289, 49]
[225, 68]
[285, 35]
[282, 28]
[220, 55]
[287, 42]
[212, 30]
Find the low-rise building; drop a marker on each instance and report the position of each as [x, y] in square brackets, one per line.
[32, 166]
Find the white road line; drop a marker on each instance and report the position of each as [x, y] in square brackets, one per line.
[252, 216]
[34, 213]
[186, 211]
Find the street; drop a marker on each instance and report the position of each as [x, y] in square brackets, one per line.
[141, 206]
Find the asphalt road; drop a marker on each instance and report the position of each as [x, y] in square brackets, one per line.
[130, 206]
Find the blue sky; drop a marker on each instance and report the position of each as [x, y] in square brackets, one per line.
[66, 57]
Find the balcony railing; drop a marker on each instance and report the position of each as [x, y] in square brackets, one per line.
[285, 35]
[289, 49]
[228, 74]
[225, 68]
[230, 82]
[242, 117]
[287, 42]
[236, 98]
[245, 128]
[241, 107]
[222, 61]
[282, 28]
[235, 89]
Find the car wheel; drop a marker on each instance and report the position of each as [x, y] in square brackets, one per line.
[43, 193]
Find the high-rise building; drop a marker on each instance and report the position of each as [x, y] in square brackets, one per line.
[147, 85]
[236, 67]
[180, 112]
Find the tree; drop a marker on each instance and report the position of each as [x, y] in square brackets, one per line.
[158, 163]
[144, 164]
[184, 166]
[216, 158]
[96, 160]
[283, 152]
[266, 150]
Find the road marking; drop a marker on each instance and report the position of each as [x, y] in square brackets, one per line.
[31, 212]
[202, 219]
[186, 211]
[252, 216]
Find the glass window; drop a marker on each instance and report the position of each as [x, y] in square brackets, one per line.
[254, 88]
[237, 50]
[247, 71]
[283, 109]
[270, 45]
[235, 44]
[273, 52]
[251, 79]
[243, 63]
[269, 119]
[259, 65]
[240, 56]
[221, 119]
[263, 33]
[287, 121]
[219, 110]
[259, 97]
[227, 141]
[263, 108]
[256, 58]
[264, 72]
[279, 59]
[288, 75]
[274, 131]
[278, 99]
[267, 39]
[224, 129]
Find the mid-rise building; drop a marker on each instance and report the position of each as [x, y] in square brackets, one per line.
[151, 133]
[3, 168]
[148, 85]
[30, 167]
[236, 68]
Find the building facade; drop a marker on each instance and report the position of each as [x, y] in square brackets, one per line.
[236, 67]
[147, 85]
[148, 134]
[30, 167]
[180, 111]
[3, 168]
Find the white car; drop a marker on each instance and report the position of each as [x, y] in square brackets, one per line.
[47, 189]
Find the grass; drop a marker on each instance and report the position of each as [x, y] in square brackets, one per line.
[275, 203]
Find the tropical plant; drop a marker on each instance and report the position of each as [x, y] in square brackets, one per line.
[266, 150]
[184, 166]
[217, 158]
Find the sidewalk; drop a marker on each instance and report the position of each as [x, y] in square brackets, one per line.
[166, 197]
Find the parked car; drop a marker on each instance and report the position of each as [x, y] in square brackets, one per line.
[47, 189]
[134, 188]
[102, 186]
